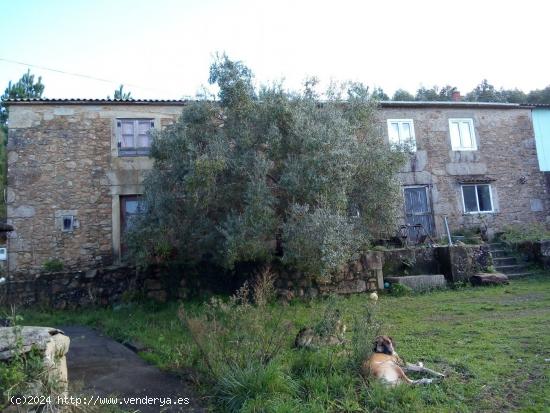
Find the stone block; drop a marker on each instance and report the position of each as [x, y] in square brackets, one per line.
[350, 287]
[53, 344]
[420, 282]
[373, 260]
[489, 279]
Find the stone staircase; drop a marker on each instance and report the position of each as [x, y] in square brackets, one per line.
[506, 262]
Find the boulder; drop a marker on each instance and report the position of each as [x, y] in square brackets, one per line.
[51, 342]
[489, 279]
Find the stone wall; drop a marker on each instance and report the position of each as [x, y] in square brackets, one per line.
[410, 261]
[535, 251]
[113, 284]
[505, 155]
[457, 263]
[63, 160]
[116, 283]
[364, 274]
[460, 262]
[102, 286]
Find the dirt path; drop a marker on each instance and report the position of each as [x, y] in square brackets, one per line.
[100, 366]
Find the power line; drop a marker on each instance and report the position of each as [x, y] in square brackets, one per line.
[81, 75]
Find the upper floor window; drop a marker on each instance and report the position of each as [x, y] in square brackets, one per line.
[134, 136]
[477, 198]
[462, 135]
[401, 134]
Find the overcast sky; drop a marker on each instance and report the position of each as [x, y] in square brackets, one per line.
[163, 48]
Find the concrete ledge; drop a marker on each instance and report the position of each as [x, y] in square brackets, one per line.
[420, 282]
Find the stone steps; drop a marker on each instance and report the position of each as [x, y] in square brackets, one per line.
[511, 269]
[499, 253]
[507, 263]
[500, 261]
[497, 246]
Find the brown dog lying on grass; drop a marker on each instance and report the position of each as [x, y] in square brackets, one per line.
[385, 364]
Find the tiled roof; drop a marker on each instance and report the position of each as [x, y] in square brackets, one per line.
[79, 101]
[182, 102]
[446, 104]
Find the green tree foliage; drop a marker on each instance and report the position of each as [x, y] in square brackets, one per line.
[402, 95]
[120, 94]
[484, 92]
[379, 94]
[25, 88]
[233, 176]
[514, 96]
[539, 96]
[435, 93]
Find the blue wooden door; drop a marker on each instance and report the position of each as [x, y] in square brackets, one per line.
[418, 211]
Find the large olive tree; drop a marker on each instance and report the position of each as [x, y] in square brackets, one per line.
[262, 173]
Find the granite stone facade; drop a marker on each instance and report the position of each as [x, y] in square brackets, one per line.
[505, 159]
[63, 161]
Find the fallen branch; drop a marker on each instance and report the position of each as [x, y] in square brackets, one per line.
[419, 367]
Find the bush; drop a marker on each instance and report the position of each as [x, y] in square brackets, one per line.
[264, 173]
[400, 290]
[53, 265]
[238, 322]
[253, 387]
[513, 234]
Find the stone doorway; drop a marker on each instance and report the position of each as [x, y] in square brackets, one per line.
[418, 212]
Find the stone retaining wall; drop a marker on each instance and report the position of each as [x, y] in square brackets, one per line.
[460, 262]
[360, 276]
[537, 251]
[102, 286]
[109, 285]
[114, 284]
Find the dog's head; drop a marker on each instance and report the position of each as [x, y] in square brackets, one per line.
[384, 344]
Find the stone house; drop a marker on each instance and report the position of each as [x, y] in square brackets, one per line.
[75, 171]
[475, 163]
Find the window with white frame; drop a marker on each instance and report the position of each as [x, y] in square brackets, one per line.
[462, 134]
[401, 134]
[477, 198]
[134, 136]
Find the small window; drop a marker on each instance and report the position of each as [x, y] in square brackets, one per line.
[134, 136]
[462, 135]
[401, 134]
[68, 222]
[477, 198]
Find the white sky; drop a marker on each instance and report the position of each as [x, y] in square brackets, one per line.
[166, 46]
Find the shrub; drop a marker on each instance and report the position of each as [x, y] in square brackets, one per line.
[53, 265]
[513, 234]
[252, 387]
[400, 290]
[238, 333]
[262, 173]
[366, 327]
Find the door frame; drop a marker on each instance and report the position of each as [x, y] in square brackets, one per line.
[122, 217]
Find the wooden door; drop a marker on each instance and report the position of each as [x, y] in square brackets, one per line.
[418, 212]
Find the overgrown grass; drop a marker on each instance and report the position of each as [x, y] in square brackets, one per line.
[492, 343]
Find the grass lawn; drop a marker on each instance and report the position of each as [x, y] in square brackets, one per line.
[493, 343]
